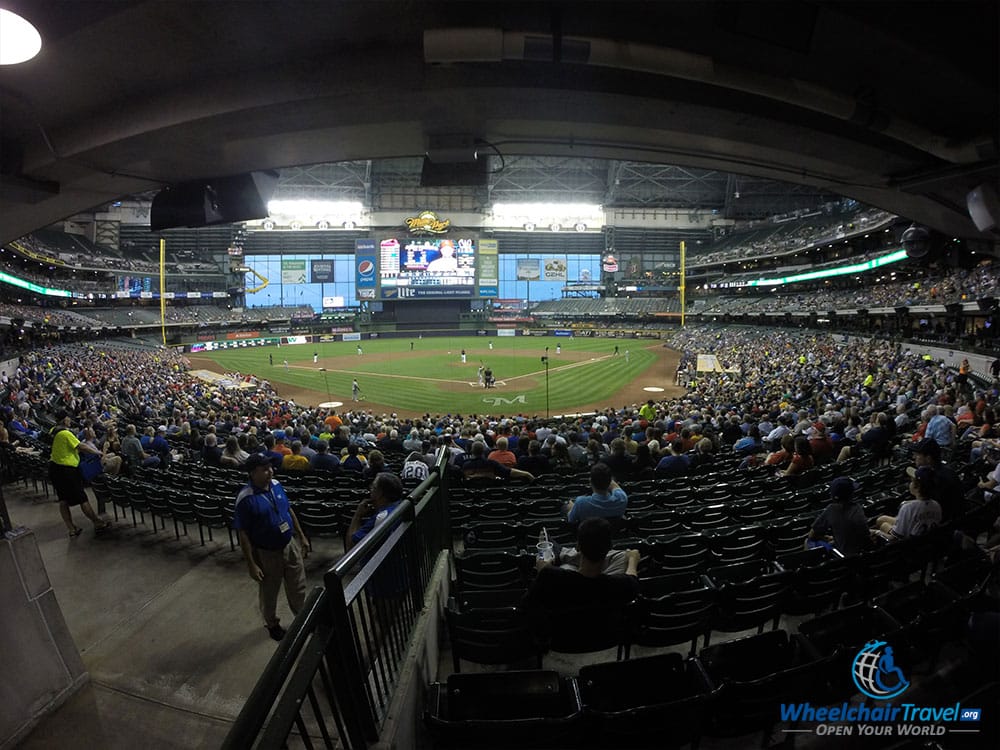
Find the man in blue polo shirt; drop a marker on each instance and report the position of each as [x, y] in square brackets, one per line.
[385, 494]
[607, 500]
[270, 537]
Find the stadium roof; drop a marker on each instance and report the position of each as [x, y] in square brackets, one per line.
[892, 103]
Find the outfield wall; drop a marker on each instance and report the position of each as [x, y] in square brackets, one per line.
[243, 342]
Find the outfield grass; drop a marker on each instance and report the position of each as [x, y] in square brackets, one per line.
[432, 378]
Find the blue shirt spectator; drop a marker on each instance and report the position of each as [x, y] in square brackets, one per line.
[607, 500]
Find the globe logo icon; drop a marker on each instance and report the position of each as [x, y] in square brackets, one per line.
[875, 672]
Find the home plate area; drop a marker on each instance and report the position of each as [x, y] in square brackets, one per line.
[496, 384]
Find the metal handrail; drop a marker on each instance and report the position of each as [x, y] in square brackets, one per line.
[349, 636]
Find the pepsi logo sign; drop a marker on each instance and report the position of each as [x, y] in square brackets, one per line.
[366, 268]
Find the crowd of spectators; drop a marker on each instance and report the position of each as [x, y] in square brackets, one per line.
[961, 285]
[807, 387]
[790, 236]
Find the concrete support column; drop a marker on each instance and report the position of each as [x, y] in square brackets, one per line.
[39, 662]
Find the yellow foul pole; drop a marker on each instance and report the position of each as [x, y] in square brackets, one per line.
[683, 283]
[163, 290]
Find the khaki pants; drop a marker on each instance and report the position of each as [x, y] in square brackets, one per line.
[281, 565]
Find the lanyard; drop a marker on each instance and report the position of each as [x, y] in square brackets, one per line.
[270, 498]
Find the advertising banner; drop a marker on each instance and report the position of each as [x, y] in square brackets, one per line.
[489, 269]
[529, 269]
[293, 272]
[243, 335]
[352, 337]
[365, 278]
[501, 332]
[322, 271]
[554, 269]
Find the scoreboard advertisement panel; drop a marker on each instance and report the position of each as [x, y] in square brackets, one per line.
[427, 267]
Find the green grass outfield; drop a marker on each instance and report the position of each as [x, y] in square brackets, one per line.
[431, 378]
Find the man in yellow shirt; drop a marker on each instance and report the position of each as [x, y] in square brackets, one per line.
[64, 472]
[648, 411]
[295, 461]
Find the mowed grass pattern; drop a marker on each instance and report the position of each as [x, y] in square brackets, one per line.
[431, 378]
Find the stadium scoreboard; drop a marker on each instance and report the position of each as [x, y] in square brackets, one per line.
[401, 268]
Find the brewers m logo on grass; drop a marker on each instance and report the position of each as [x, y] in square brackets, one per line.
[427, 222]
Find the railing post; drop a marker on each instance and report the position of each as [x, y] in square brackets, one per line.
[359, 716]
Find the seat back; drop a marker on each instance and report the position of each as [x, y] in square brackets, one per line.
[656, 701]
[674, 618]
[490, 570]
[490, 636]
[505, 709]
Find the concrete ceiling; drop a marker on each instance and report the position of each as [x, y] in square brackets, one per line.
[894, 104]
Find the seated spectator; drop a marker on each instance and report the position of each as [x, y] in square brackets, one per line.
[675, 463]
[820, 443]
[607, 499]
[560, 460]
[375, 466]
[391, 442]
[324, 460]
[535, 462]
[132, 450]
[918, 516]
[644, 463]
[502, 455]
[352, 459]
[279, 444]
[618, 460]
[295, 461]
[414, 467]
[233, 456]
[948, 489]
[211, 453]
[802, 459]
[941, 429]
[842, 524]
[556, 588]
[871, 438]
[749, 444]
[704, 454]
[782, 457]
[596, 451]
[384, 495]
[272, 455]
[480, 467]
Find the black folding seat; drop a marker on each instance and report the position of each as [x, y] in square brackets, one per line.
[495, 635]
[505, 710]
[658, 701]
[754, 675]
[491, 570]
[677, 617]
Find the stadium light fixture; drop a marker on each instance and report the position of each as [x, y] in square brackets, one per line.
[508, 215]
[312, 213]
[19, 39]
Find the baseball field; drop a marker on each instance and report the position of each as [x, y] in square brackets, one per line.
[585, 373]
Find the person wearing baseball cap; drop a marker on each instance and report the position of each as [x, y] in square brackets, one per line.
[918, 516]
[842, 524]
[272, 541]
[948, 490]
